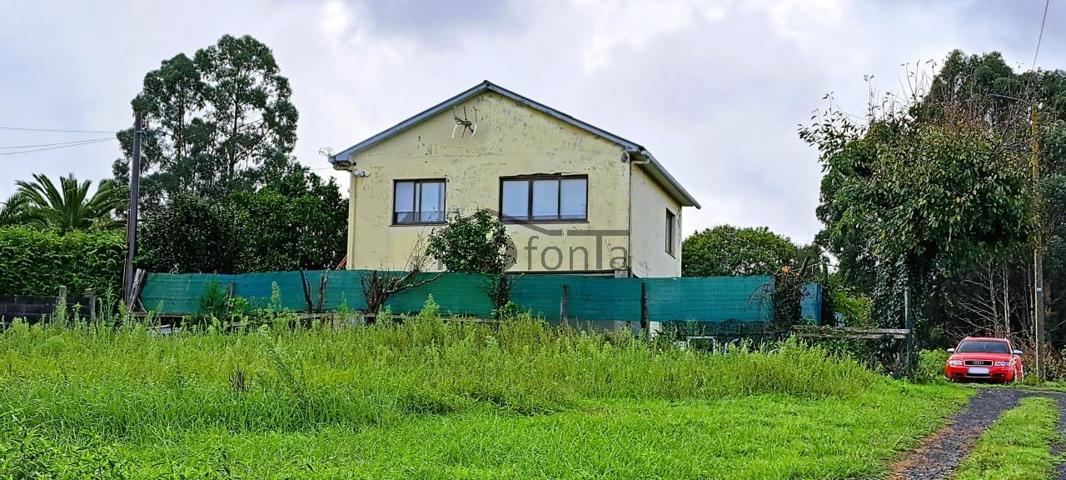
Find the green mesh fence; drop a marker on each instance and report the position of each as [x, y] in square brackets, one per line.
[709, 299]
[687, 299]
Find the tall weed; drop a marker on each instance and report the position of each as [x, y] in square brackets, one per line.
[287, 377]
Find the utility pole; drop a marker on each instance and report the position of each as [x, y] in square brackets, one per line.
[1038, 245]
[1038, 237]
[131, 217]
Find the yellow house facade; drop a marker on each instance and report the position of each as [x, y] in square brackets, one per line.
[575, 198]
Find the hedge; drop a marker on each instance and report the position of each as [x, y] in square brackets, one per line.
[37, 262]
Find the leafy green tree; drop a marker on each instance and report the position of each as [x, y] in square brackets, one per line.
[220, 127]
[192, 234]
[297, 222]
[478, 243]
[911, 196]
[1000, 101]
[475, 243]
[250, 114]
[726, 250]
[214, 124]
[68, 206]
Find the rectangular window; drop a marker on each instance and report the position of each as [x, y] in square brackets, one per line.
[514, 199]
[671, 232]
[544, 198]
[418, 201]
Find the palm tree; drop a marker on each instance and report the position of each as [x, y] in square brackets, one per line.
[70, 207]
[13, 212]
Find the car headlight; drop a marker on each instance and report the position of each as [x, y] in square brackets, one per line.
[954, 363]
[1002, 364]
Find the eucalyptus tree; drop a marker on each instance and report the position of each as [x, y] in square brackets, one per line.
[216, 122]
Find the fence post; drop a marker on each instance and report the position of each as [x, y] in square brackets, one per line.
[908, 322]
[60, 307]
[564, 303]
[645, 326]
[90, 297]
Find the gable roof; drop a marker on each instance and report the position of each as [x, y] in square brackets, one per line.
[651, 164]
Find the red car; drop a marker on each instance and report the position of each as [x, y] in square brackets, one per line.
[984, 358]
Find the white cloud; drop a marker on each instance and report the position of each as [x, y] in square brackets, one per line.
[715, 88]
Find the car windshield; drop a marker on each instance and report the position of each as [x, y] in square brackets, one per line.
[978, 346]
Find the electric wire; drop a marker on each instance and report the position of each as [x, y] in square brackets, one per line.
[54, 130]
[77, 144]
[70, 142]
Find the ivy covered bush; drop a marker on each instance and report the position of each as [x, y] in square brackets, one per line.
[37, 262]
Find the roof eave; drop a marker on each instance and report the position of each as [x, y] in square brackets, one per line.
[671, 184]
[346, 154]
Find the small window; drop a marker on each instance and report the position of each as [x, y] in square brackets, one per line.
[418, 201]
[544, 199]
[671, 232]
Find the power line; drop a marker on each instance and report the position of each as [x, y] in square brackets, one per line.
[77, 144]
[72, 142]
[1040, 37]
[54, 130]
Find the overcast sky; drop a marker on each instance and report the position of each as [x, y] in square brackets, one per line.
[715, 89]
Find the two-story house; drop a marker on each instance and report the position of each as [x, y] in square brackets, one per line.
[576, 198]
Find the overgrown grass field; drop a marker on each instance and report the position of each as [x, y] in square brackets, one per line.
[436, 399]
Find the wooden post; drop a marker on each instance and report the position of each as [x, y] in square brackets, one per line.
[90, 297]
[908, 322]
[564, 303]
[60, 306]
[1039, 247]
[131, 216]
[645, 326]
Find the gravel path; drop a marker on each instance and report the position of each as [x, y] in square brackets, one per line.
[1060, 447]
[940, 453]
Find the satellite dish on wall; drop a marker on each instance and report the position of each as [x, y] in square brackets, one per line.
[464, 123]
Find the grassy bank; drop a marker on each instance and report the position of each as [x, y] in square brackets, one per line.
[431, 399]
[1017, 445]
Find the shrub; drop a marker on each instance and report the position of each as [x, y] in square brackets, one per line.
[37, 262]
[192, 234]
[297, 222]
[854, 309]
[931, 366]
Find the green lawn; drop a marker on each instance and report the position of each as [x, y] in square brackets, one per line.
[435, 400]
[1017, 446]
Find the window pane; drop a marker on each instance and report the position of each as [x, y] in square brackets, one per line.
[545, 199]
[404, 203]
[516, 199]
[670, 232]
[574, 201]
[432, 202]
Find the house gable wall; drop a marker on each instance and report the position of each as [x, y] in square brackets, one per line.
[650, 201]
[511, 139]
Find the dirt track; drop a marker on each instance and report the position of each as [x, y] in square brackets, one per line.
[940, 453]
